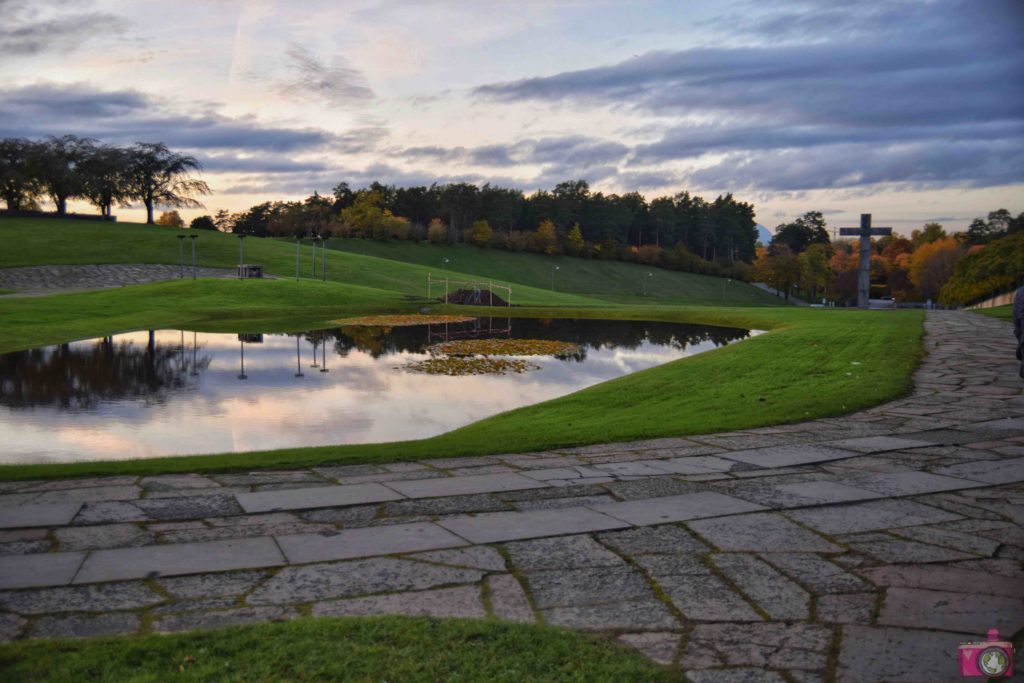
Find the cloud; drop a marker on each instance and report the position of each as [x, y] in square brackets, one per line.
[31, 27]
[903, 91]
[127, 116]
[578, 151]
[339, 84]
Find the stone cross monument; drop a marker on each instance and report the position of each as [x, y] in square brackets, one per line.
[865, 232]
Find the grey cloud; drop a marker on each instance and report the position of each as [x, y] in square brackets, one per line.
[337, 84]
[128, 116]
[30, 28]
[971, 163]
[262, 163]
[579, 151]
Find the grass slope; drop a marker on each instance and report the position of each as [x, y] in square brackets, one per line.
[34, 241]
[1000, 312]
[322, 650]
[610, 280]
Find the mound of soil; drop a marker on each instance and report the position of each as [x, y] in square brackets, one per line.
[475, 297]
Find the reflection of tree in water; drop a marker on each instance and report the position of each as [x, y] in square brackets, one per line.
[593, 334]
[79, 377]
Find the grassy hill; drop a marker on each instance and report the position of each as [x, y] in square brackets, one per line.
[612, 281]
[400, 268]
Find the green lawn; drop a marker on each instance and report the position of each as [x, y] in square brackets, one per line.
[612, 281]
[1001, 312]
[327, 650]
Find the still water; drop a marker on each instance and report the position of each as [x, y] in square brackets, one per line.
[146, 394]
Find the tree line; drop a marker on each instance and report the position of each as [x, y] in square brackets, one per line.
[71, 167]
[682, 231]
[803, 260]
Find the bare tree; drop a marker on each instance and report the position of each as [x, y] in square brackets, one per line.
[160, 177]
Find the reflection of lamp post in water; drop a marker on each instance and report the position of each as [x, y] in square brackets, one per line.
[553, 269]
[195, 345]
[323, 351]
[298, 358]
[314, 365]
[649, 275]
[241, 345]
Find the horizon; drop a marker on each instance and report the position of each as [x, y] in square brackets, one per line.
[765, 102]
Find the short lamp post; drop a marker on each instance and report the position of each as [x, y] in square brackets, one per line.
[553, 269]
[649, 275]
[323, 253]
[192, 239]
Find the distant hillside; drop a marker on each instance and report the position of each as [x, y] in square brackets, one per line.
[764, 235]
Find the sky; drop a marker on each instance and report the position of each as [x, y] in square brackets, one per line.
[911, 110]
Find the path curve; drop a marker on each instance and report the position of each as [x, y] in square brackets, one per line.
[55, 279]
[857, 548]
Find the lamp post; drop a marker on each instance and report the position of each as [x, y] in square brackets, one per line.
[553, 269]
[649, 275]
[298, 358]
[241, 253]
[195, 351]
[298, 241]
[192, 239]
[323, 251]
[181, 257]
[313, 243]
[323, 351]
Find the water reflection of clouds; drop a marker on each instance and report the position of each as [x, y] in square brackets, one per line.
[361, 400]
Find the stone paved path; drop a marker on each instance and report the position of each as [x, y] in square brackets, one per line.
[859, 548]
[49, 278]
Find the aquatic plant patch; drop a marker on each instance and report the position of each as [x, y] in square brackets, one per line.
[505, 347]
[456, 366]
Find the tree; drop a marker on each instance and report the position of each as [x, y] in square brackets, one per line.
[933, 263]
[56, 165]
[574, 244]
[365, 216]
[202, 223]
[224, 221]
[160, 177]
[779, 267]
[171, 218]
[545, 240]
[803, 232]
[18, 184]
[815, 273]
[104, 171]
[437, 232]
[930, 233]
[481, 233]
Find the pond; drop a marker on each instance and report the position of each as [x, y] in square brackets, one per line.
[163, 392]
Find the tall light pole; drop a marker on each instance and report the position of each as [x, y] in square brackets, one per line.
[323, 251]
[181, 257]
[192, 239]
[313, 242]
[553, 269]
[241, 255]
[649, 275]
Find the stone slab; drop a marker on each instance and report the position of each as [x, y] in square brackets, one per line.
[773, 645]
[179, 559]
[700, 464]
[816, 573]
[317, 497]
[950, 579]
[945, 611]
[98, 598]
[562, 552]
[511, 526]
[656, 539]
[705, 597]
[587, 586]
[367, 542]
[40, 569]
[880, 514]
[508, 600]
[1006, 471]
[475, 557]
[82, 626]
[780, 598]
[647, 512]
[910, 483]
[191, 621]
[38, 514]
[761, 532]
[786, 456]
[869, 655]
[456, 486]
[317, 582]
[461, 601]
[879, 444]
[817, 493]
[632, 615]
